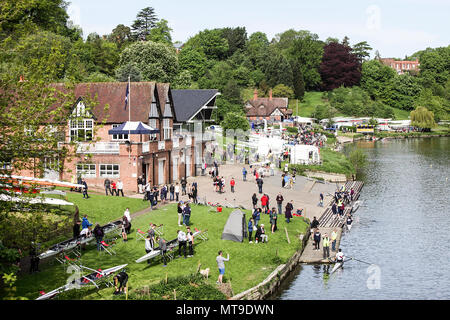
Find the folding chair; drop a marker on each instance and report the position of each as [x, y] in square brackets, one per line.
[159, 230]
[202, 235]
[140, 235]
[104, 246]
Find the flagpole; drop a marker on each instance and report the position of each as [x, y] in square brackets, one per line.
[129, 115]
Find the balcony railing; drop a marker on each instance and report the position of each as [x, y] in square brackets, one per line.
[99, 147]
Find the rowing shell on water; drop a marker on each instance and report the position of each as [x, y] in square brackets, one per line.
[337, 265]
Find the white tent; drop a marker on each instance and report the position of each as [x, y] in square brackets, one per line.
[304, 154]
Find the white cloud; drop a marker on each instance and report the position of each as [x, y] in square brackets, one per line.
[74, 13]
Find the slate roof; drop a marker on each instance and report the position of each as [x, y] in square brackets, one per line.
[263, 107]
[188, 102]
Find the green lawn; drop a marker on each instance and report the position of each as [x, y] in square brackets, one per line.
[249, 263]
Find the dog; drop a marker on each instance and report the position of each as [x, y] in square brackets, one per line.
[205, 273]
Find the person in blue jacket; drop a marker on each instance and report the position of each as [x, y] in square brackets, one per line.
[85, 222]
[257, 216]
[244, 174]
[250, 230]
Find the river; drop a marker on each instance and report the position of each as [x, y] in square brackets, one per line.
[402, 228]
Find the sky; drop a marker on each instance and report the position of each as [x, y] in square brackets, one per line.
[395, 28]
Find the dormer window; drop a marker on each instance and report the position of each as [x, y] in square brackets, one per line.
[167, 129]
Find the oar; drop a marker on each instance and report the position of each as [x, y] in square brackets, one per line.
[361, 261]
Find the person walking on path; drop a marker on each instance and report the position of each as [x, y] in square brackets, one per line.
[288, 211]
[317, 240]
[151, 197]
[244, 174]
[321, 200]
[250, 227]
[119, 187]
[280, 200]
[254, 200]
[333, 240]
[107, 185]
[259, 182]
[221, 265]
[232, 184]
[326, 246]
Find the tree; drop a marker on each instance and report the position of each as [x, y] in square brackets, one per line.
[362, 50]
[210, 42]
[298, 81]
[145, 21]
[236, 38]
[257, 44]
[346, 41]
[401, 92]
[376, 77]
[128, 70]
[277, 69]
[339, 67]
[358, 159]
[155, 61]
[105, 54]
[161, 32]
[423, 118]
[120, 35]
[193, 61]
[436, 104]
[183, 80]
[235, 121]
[283, 91]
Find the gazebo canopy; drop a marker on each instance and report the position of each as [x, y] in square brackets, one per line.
[133, 127]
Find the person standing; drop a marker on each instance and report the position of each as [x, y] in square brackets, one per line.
[257, 215]
[321, 200]
[288, 211]
[148, 246]
[264, 203]
[194, 192]
[151, 196]
[76, 229]
[317, 240]
[180, 212]
[85, 190]
[125, 226]
[177, 192]
[119, 187]
[163, 249]
[140, 183]
[314, 224]
[186, 214]
[244, 174]
[221, 265]
[190, 241]
[172, 192]
[283, 182]
[128, 216]
[326, 246]
[152, 234]
[107, 185]
[280, 200]
[114, 188]
[352, 193]
[232, 183]
[183, 186]
[254, 200]
[98, 234]
[259, 182]
[333, 240]
[181, 236]
[333, 208]
[273, 220]
[250, 229]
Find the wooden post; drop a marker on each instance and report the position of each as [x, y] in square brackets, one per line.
[174, 294]
[166, 277]
[287, 235]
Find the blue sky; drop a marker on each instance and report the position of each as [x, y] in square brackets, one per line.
[394, 27]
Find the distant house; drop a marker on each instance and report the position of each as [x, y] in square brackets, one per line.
[401, 66]
[271, 109]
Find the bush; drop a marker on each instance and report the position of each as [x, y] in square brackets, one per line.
[292, 129]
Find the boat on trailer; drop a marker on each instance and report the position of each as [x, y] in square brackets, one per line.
[83, 281]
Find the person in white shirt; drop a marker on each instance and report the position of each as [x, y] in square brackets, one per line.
[340, 256]
[119, 187]
[181, 242]
[177, 192]
[148, 246]
[190, 241]
[127, 214]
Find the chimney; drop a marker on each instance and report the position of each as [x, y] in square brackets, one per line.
[255, 94]
[270, 94]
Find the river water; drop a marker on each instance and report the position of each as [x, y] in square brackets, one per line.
[402, 229]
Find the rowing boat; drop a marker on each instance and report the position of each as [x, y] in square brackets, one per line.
[84, 280]
[337, 265]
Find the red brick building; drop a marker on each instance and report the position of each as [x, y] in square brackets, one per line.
[161, 157]
[272, 109]
[401, 66]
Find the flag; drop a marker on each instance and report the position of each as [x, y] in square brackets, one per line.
[126, 96]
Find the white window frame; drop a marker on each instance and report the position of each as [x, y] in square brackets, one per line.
[153, 123]
[167, 129]
[81, 124]
[106, 172]
[88, 170]
[119, 137]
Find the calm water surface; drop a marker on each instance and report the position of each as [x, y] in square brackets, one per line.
[403, 228]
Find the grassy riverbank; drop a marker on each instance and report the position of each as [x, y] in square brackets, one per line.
[249, 263]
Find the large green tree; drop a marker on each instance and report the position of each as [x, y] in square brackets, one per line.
[120, 35]
[210, 42]
[155, 61]
[376, 78]
[277, 68]
[161, 32]
[423, 118]
[193, 61]
[362, 50]
[145, 21]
